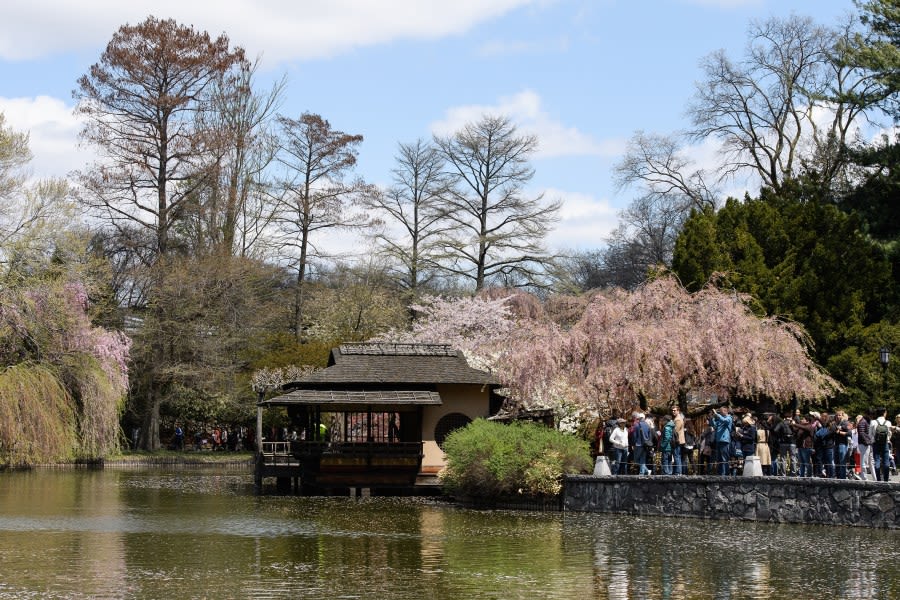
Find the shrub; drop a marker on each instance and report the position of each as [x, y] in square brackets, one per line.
[490, 460]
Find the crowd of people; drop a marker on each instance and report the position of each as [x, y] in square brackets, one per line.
[215, 438]
[812, 444]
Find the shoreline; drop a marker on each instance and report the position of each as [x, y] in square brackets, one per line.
[166, 458]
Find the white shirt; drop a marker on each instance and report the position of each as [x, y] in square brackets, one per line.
[619, 438]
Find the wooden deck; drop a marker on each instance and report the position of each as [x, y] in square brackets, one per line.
[316, 468]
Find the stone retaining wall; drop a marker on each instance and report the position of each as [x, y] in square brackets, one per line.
[766, 499]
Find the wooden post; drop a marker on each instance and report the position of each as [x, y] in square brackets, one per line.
[260, 461]
[259, 429]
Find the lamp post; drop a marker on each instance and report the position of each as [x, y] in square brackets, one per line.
[884, 357]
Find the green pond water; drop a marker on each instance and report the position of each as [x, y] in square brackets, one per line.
[204, 534]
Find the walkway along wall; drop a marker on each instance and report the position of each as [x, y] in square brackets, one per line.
[765, 499]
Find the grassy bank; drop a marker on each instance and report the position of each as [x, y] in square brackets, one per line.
[170, 457]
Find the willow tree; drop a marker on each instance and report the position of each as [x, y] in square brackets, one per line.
[62, 380]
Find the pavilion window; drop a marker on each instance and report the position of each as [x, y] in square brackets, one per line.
[370, 426]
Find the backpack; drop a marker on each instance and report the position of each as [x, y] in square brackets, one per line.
[690, 440]
[881, 434]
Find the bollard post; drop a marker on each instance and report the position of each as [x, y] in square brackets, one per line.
[601, 467]
[752, 468]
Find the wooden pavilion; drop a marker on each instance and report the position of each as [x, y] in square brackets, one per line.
[374, 420]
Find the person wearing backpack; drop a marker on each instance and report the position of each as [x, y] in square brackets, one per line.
[785, 463]
[880, 448]
[642, 440]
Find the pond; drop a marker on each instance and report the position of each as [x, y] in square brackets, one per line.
[204, 534]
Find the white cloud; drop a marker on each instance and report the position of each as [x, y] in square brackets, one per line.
[585, 221]
[53, 133]
[554, 138]
[282, 29]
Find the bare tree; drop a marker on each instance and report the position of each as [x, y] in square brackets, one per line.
[314, 198]
[141, 103]
[415, 211]
[658, 164]
[31, 213]
[499, 231]
[768, 108]
[241, 209]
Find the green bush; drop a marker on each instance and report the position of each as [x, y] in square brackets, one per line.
[490, 460]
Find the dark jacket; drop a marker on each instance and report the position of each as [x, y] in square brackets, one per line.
[864, 432]
[747, 437]
[804, 433]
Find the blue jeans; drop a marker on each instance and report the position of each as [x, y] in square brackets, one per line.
[723, 455]
[676, 456]
[667, 462]
[620, 466]
[840, 461]
[882, 458]
[828, 462]
[806, 468]
[640, 457]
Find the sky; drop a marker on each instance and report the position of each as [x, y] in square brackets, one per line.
[581, 75]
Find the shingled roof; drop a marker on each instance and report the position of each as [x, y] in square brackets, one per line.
[395, 364]
[347, 399]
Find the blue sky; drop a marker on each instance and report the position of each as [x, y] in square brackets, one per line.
[582, 75]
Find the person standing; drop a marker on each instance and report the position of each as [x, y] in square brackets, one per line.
[179, 437]
[722, 423]
[763, 451]
[678, 450]
[618, 439]
[825, 436]
[783, 436]
[667, 444]
[841, 444]
[642, 441]
[706, 459]
[804, 429]
[881, 434]
[747, 435]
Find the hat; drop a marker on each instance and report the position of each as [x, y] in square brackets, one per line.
[813, 413]
[640, 415]
[621, 421]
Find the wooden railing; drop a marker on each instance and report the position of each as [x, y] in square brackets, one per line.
[277, 453]
[311, 448]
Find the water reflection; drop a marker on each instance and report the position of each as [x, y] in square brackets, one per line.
[146, 534]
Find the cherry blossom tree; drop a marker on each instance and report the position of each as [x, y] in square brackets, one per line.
[649, 347]
[474, 325]
[655, 345]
